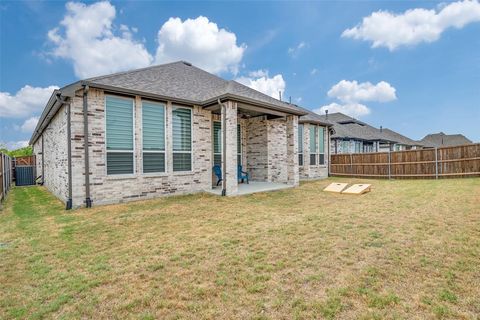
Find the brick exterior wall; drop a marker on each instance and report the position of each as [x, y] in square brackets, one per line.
[257, 152]
[112, 189]
[55, 174]
[268, 150]
[308, 171]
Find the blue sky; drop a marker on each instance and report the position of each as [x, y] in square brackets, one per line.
[416, 72]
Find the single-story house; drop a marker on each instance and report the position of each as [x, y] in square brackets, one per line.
[354, 136]
[437, 140]
[401, 142]
[159, 131]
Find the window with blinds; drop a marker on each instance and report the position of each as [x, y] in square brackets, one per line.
[313, 145]
[182, 139]
[321, 145]
[239, 145]
[300, 144]
[153, 130]
[217, 143]
[119, 135]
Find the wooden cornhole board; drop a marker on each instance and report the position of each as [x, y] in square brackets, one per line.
[358, 188]
[335, 187]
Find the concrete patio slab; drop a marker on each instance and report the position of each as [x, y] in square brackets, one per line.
[253, 187]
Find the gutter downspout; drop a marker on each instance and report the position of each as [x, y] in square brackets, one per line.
[68, 205]
[43, 161]
[224, 147]
[88, 201]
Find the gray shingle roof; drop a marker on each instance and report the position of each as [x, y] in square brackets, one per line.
[178, 81]
[312, 117]
[183, 81]
[401, 139]
[444, 140]
[348, 127]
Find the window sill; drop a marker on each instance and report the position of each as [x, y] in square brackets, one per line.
[121, 176]
[183, 173]
[155, 175]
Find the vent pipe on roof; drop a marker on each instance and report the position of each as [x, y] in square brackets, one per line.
[290, 99]
[280, 95]
[381, 129]
[326, 114]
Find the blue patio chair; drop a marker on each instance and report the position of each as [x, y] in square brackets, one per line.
[218, 172]
[242, 175]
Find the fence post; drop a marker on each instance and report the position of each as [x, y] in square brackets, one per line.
[389, 165]
[351, 164]
[436, 163]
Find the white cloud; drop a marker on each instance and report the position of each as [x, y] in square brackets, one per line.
[25, 102]
[13, 145]
[258, 73]
[29, 125]
[352, 91]
[386, 29]
[86, 37]
[314, 71]
[295, 51]
[351, 109]
[269, 86]
[200, 42]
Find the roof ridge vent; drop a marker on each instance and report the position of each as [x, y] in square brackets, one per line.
[187, 63]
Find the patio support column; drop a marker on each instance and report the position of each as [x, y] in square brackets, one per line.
[229, 118]
[293, 177]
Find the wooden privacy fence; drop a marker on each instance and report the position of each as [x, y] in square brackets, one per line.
[5, 175]
[458, 161]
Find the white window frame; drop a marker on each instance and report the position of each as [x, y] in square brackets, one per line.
[164, 104]
[133, 136]
[174, 107]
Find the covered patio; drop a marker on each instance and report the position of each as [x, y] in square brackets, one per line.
[262, 139]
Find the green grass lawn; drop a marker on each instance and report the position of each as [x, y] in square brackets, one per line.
[408, 249]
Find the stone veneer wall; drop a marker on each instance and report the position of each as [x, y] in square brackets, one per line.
[112, 189]
[316, 171]
[55, 153]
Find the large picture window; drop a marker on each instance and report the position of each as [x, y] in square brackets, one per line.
[300, 144]
[239, 145]
[313, 145]
[321, 145]
[153, 125]
[119, 135]
[217, 143]
[182, 138]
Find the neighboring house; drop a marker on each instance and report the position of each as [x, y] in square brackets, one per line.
[436, 140]
[401, 142]
[354, 136]
[158, 131]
